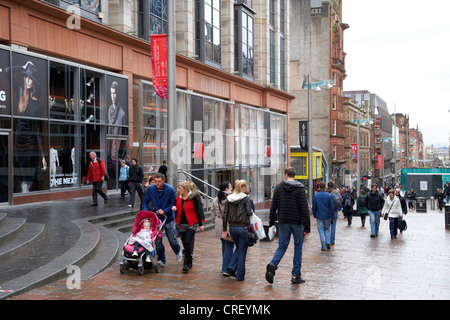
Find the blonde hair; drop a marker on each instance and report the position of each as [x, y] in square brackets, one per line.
[239, 185]
[188, 186]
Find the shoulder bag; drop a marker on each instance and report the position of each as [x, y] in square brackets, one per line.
[386, 215]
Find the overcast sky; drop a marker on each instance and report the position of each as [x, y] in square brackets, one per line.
[400, 50]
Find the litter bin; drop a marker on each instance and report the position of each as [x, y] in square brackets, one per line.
[447, 216]
[421, 204]
[432, 204]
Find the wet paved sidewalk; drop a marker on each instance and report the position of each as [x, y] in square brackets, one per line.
[414, 266]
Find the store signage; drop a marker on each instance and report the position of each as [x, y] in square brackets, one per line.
[159, 64]
[380, 161]
[303, 135]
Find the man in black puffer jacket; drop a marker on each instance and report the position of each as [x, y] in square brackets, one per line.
[290, 203]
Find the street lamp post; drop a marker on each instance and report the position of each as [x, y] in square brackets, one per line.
[312, 85]
[358, 160]
[171, 88]
[382, 157]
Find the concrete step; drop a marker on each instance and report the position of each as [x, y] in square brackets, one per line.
[9, 227]
[21, 240]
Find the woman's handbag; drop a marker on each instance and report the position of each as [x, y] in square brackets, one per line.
[252, 238]
[386, 215]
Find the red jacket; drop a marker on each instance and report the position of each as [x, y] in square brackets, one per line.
[189, 211]
[96, 170]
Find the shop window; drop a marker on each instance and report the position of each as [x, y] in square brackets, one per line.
[244, 41]
[31, 165]
[64, 155]
[92, 104]
[117, 102]
[62, 101]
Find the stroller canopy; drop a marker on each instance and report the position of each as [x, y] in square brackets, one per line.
[154, 221]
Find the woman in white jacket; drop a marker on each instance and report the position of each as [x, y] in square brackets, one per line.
[393, 208]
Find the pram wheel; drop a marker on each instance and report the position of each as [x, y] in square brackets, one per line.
[158, 267]
[141, 270]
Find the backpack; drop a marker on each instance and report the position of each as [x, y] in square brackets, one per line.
[362, 201]
[348, 202]
[338, 201]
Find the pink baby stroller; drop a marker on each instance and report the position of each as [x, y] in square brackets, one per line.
[139, 263]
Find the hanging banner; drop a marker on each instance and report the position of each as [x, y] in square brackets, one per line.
[380, 161]
[158, 44]
[354, 152]
[303, 135]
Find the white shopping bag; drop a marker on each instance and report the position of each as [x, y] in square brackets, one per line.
[272, 232]
[257, 226]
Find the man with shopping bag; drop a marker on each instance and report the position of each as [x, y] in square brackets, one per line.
[290, 204]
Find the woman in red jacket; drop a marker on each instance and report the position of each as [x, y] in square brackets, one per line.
[188, 219]
[96, 174]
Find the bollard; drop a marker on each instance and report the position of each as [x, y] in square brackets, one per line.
[433, 203]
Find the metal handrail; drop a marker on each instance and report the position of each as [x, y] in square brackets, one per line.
[192, 176]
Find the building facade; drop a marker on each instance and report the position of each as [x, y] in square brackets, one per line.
[317, 33]
[91, 67]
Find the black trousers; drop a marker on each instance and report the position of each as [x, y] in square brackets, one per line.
[97, 188]
[188, 239]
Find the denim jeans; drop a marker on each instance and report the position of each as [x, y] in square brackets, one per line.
[237, 263]
[374, 222]
[227, 253]
[169, 228]
[333, 227]
[323, 226]
[393, 226]
[284, 237]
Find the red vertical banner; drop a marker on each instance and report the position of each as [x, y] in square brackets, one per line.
[380, 161]
[354, 152]
[158, 43]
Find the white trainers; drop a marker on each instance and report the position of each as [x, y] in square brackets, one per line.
[147, 259]
[179, 257]
[135, 254]
[161, 263]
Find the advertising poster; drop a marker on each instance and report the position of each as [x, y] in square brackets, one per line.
[5, 83]
[303, 135]
[354, 152]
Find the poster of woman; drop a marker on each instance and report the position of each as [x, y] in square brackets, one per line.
[29, 102]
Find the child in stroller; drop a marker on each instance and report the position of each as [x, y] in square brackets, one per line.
[147, 230]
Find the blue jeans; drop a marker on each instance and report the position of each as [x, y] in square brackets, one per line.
[333, 227]
[323, 226]
[227, 253]
[170, 229]
[237, 263]
[284, 237]
[374, 222]
[393, 226]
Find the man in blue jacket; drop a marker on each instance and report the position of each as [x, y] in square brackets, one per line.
[323, 211]
[163, 197]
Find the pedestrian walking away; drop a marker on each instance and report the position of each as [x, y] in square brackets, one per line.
[337, 206]
[217, 209]
[440, 199]
[447, 192]
[323, 211]
[361, 207]
[136, 177]
[123, 178]
[290, 204]
[392, 207]
[163, 197]
[349, 202]
[188, 219]
[96, 174]
[374, 204]
[237, 215]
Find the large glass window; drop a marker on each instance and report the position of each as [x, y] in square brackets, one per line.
[62, 101]
[63, 155]
[152, 18]
[208, 30]
[244, 41]
[92, 96]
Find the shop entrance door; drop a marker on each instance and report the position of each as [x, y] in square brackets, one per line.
[5, 169]
[117, 149]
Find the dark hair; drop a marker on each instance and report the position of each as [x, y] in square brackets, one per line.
[290, 172]
[321, 185]
[222, 187]
[160, 175]
[330, 184]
